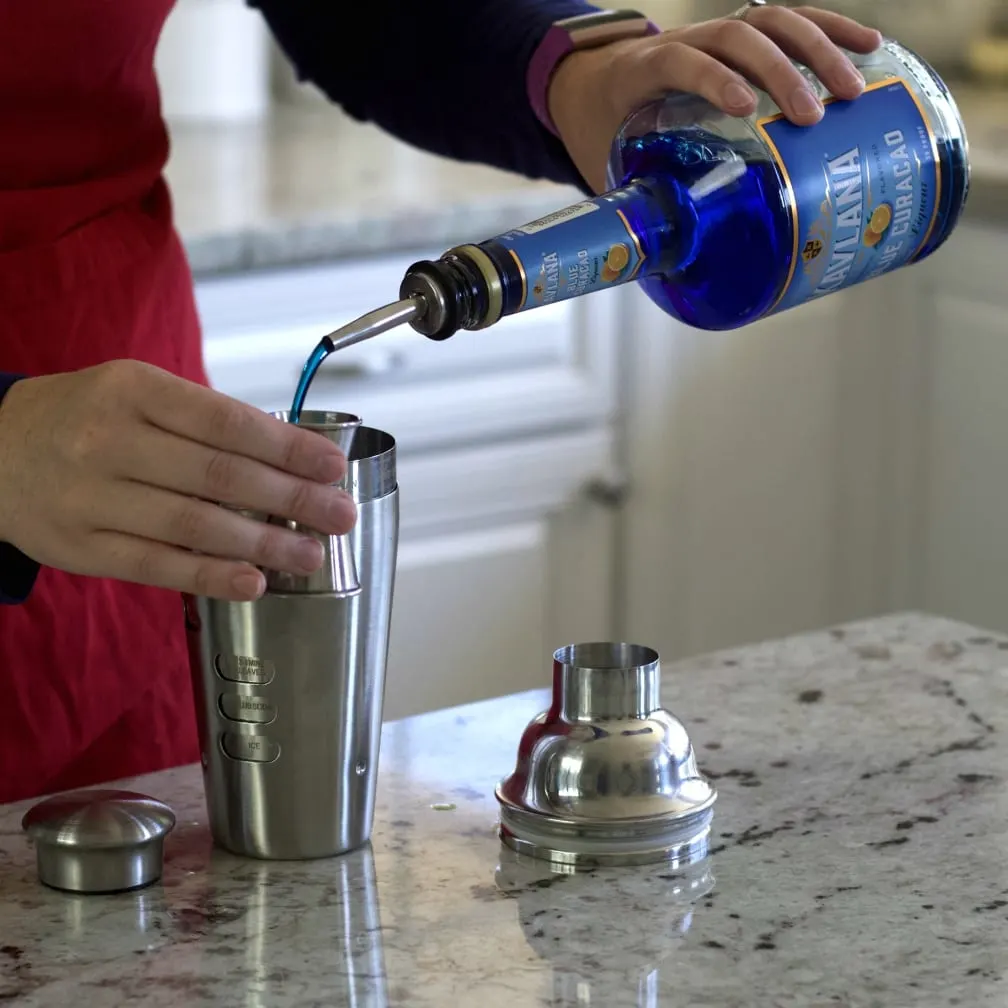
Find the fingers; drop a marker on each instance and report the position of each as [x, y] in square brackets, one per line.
[162, 459]
[216, 420]
[844, 31]
[176, 520]
[758, 57]
[129, 558]
[803, 39]
[678, 66]
[762, 48]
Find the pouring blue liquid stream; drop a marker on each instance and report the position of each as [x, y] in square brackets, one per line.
[311, 366]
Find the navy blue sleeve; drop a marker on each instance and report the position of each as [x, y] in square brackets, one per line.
[447, 76]
[17, 572]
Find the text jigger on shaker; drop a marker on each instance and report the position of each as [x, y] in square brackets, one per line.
[289, 688]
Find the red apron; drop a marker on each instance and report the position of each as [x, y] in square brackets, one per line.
[94, 674]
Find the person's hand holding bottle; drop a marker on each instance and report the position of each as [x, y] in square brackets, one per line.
[594, 90]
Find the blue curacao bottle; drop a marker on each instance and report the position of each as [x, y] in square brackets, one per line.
[723, 221]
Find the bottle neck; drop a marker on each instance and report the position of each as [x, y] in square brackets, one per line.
[456, 294]
[586, 247]
[600, 243]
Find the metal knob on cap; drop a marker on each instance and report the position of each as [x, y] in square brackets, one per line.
[606, 776]
[99, 840]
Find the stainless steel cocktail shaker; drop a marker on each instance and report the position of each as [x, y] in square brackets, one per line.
[289, 689]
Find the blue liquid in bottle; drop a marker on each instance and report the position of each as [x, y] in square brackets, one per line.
[776, 235]
[724, 254]
[735, 245]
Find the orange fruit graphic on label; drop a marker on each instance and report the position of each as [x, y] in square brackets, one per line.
[618, 258]
[881, 218]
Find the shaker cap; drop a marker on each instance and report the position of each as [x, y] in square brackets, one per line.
[606, 776]
[99, 840]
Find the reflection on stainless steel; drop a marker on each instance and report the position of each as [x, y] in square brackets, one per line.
[99, 840]
[338, 573]
[132, 919]
[605, 776]
[289, 691]
[567, 917]
[337, 939]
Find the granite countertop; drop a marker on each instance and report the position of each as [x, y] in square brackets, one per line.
[859, 860]
[311, 185]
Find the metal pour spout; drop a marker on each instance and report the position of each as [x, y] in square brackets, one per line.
[376, 322]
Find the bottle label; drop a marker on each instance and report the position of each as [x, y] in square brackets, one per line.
[864, 187]
[577, 250]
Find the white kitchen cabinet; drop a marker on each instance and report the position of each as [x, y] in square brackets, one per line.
[497, 568]
[960, 566]
[469, 617]
[834, 462]
[505, 442]
[761, 466]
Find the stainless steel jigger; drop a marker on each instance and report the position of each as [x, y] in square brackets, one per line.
[605, 776]
[338, 573]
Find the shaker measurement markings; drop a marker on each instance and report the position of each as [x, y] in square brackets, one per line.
[243, 669]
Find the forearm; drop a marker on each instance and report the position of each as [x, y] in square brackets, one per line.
[17, 572]
[448, 77]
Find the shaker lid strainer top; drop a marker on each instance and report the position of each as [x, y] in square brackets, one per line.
[606, 775]
[99, 840]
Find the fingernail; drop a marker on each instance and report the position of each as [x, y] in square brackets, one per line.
[805, 103]
[342, 511]
[248, 584]
[737, 96]
[852, 78]
[308, 555]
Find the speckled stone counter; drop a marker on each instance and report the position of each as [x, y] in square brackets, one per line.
[859, 859]
[311, 185]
